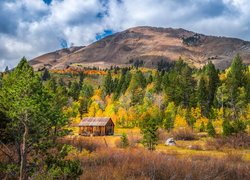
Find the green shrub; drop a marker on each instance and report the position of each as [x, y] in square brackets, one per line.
[210, 129]
[124, 141]
[227, 128]
[202, 127]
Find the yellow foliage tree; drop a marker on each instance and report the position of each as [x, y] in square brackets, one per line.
[122, 116]
[197, 124]
[99, 113]
[219, 120]
[196, 112]
[180, 122]
[93, 109]
[97, 95]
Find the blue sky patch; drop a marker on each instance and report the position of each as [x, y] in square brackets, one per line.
[48, 2]
[105, 33]
[63, 43]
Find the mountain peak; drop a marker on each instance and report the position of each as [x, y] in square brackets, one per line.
[149, 45]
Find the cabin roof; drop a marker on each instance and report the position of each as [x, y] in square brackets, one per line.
[94, 121]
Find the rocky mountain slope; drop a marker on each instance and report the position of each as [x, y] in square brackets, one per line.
[148, 45]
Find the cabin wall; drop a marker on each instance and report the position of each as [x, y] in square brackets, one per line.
[97, 130]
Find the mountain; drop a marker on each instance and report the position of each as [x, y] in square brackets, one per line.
[148, 45]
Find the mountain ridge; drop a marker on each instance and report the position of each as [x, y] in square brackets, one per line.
[148, 45]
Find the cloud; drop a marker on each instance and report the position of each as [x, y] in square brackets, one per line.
[31, 28]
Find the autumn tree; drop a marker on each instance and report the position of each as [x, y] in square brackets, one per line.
[169, 117]
[202, 127]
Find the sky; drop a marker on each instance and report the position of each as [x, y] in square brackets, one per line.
[33, 27]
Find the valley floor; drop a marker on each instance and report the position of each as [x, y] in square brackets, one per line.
[195, 159]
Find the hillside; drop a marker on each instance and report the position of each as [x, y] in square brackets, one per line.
[150, 45]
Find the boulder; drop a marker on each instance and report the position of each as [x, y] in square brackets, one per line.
[170, 142]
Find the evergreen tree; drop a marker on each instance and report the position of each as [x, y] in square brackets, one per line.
[227, 128]
[202, 96]
[247, 86]
[33, 115]
[108, 84]
[119, 85]
[45, 75]
[150, 79]
[126, 82]
[157, 82]
[124, 141]
[239, 126]
[81, 78]
[85, 99]
[179, 85]
[213, 81]
[235, 80]
[6, 69]
[74, 90]
[210, 129]
[149, 131]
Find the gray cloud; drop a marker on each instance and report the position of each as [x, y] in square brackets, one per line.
[31, 28]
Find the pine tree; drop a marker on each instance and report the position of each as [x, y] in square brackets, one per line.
[235, 80]
[6, 69]
[81, 78]
[126, 82]
[108, 84]
[157, 82]
[239, 126]
[36, 119]
[150, 79]
[213, 81]
[149, 131]
[202, 96]
[74, 90]
[124, 141]
[179, 85]
[227, 128]
[45, 75]
[210, 129]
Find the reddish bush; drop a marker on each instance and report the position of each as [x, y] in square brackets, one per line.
[183, 134]
[237, 141]
[83, 143]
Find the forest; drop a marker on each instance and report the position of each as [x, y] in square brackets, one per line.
[39, 111]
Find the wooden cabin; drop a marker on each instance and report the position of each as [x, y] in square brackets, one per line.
[96, 126]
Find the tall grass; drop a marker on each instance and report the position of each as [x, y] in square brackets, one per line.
[142, 164]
